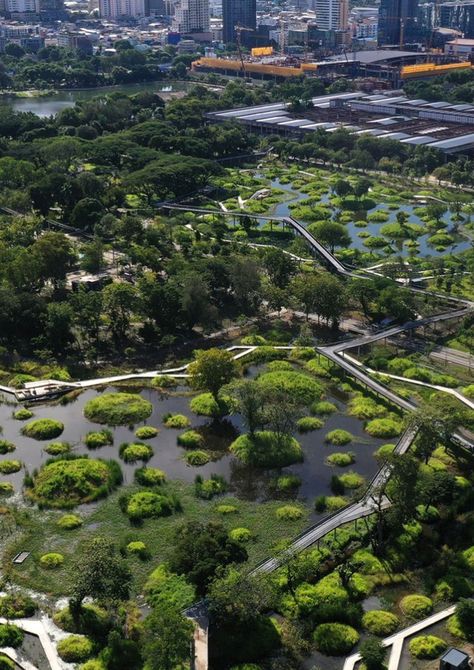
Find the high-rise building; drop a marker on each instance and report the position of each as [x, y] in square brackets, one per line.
[459, 16]
[191, 16]
[397, 21]
[332, 14]
[21, 6]
[238, 13]
[114, 9]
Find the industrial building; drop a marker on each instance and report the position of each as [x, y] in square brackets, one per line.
[387, 115]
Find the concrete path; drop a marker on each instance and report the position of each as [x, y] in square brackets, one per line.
[37, 628]
[397, 640]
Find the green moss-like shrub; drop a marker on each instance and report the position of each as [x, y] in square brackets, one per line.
[147, 505]
[384, 452]
[302, 388]
[98, 438]
[164, 586]
[147, 476]
[341, 459]
[176, 421]
[317, 368]
[276, 366]
[462, 482]
[428, 514]
[131, 453]
[380, 622]
[365, 408]
[339, 437]
[191, 439]
[351, 480]
[197, 458]
[17, 606]
[266, 449]
[227, 509]
[468, 391]
[92, 620]
[335, 639]
[468, 556]
[23, 414]
[205, 404]
[367, 562]
[6, 488]
[323, 408]
[57, 448]
[240, 535]
[9, 467]
[69, 522]
[93, 664]
[384, 427]
[6, 663]
[416, 606]
[208, 488]
[118, 409]
[289, 513]
[286, 483]
[10, 635]
[6, 447]
[51, 561]
[427, 646]
[43, 429]
[454, 627]
[146, 432]
[75, 648]
[137, 548]
[70, 482]
[308, 423]
[333, 503]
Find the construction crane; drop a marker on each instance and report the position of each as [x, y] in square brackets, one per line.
[238, 32]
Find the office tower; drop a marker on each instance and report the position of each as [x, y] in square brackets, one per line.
[459, 16]
[114, 9]
[332, 14]
[238, 13]
[397, 21]
[191, 16]
[21, 6]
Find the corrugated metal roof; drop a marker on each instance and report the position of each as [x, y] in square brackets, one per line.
[418, 139]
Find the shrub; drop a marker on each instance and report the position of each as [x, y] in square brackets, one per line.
[197, 458]
[131, 453]
[17, 606]
[454, 627]
[191, 439]
[286, 483]
[339, 437]
[308, 423]
[51, 561]
[147, 476]
[368, 563]
[74, 649]
[6, 447]
[137, 548]
[227, 509]
[340, 458]
[333, 503]
[205, 404]
[380, 622]
[266, 449]
[300, 387]
[92, 620]
[384, 427]
[9, 467]
[6, 488]
[289, 513]
[163, 586]
[469, 391]
[98, 438]
[118, 409]
[93, 664]
[468, 555]
[43, 429]
[426, 646]
[317, 368]
[23, 414]
[146, 432]
[208, 488]
[276, 366]
[57, 448]
[335, 639]
[70, 521]
[68, 482]
[351, 480]
[10, 636]
[323, 408]
[428, 514]
[164, 382]
[416, 606]
[147, 505]
[176, 421]
[365, 408]
[6, 663]
[384, 452]
[240, 535]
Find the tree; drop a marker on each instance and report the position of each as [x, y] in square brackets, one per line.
[55, 256]
[58, 323]
[436, 210]
[361, 187]
[250, 400]
[93, 256]
[372, 653]
[303, 288]
[201, 549]
[87, 309]
[342, 188]
[402, 487]
[280, 267]
[238, 597]
[331, 233]
[100, 574]
[167, 638]
[435, 423]
[212, 369]
[119, 302]
[86, 213]
[465, 616]
[436, 487]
